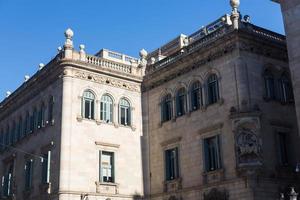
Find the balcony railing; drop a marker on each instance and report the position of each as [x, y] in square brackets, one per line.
[104, 63]
[210, 33]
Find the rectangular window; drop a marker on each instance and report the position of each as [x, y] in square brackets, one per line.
[46, 167]
[19, 130]
[7, 138]
[6, 181]
[212, 153]
[50, 109]
[1, 141]
[28, 174]
[31, 128]
[171, 164]
[283, 153]
[107, 167]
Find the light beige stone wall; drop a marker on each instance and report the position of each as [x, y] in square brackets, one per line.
[82, 140]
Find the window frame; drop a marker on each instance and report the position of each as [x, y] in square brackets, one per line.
[286, 93]
[166, 108]
[112, 165]
[104, 112]
[217, 159]
[28, 174]
[213, 89]
[171, 165]
[181, 103]
[196, 96]
[91, 105]
[270, 88]
[127, 112]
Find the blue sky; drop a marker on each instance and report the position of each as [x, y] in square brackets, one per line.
[31, 30]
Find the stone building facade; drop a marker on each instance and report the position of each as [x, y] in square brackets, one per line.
[291, 15]
[217, 107]
[208, 116]
[83, 113]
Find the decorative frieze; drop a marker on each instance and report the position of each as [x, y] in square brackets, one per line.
[107, 81]
[248, 143]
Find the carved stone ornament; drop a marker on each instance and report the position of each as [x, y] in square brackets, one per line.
[215, 194]
[248, 147]
[108, 81]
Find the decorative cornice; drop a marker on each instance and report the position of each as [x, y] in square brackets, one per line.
[106, 81]
[171, 141]
[104, 144]
[246, 40]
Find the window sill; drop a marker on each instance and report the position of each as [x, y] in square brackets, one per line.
[173, 185]
[220, 102]
[80, 119]
[213, 176]
[45, 188]
[107, 188]
[27, 192]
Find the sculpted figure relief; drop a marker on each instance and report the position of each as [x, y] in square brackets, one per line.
[248, 147]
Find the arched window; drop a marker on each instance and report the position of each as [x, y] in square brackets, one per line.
[88, 103]
[35, 119]
[41, 116]
[181, 102]
[212, 89]
[166, 108]
[285, 89]
[7, 135]
[20, 124]
[196, 96]
[269, 85]
[125, 112]
[2, 140]
[106, 109]
[12, 134]
[50, 110]
[26, 124]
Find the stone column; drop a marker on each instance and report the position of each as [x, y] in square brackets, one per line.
[291, 15]
[66, 132]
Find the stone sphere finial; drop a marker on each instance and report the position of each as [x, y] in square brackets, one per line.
[59, 49]
[8, 93]
[41, 66]
[69, 33]
[81, 47]
[26, 78]
[235, 3]
[153, 60]
[143, 53]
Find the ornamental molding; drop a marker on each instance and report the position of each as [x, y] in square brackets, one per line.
[214, 127]
[105, 144]
[171, 141]
[213, 54]
[107, 81]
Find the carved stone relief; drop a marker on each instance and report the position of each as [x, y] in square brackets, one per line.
[248, 143]
[108, 81]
